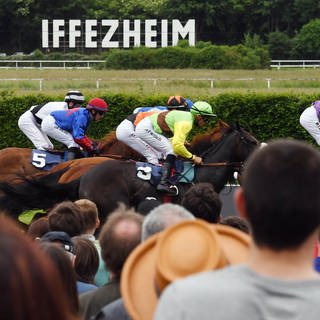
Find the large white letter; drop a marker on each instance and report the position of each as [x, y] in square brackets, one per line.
[164, 33]
[73, 32]
[150, 33]
[177, 29]
[127, 33]
[45, 34]
[89, 43]
[57, 33]
[106, 41]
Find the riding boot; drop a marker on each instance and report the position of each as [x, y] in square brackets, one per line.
[164, 185]
[73, 153]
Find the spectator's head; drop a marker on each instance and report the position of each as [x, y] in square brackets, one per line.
[86, 263]
[279, 194]
[163, 216]
[63, 261]
[31, 285]
[66, 217]
[236, 222]
[120, 234]
[60, 238]
[89, 215]
[187, 247]
[203, 202]
[38, 228]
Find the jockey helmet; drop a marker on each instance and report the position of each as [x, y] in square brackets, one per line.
[98, 105]
[202, 108]
[74, 96]
[177, 102]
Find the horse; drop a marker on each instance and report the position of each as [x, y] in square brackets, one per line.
[15, 162]
[116, 181]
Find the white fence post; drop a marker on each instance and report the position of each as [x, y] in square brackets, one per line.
[269, 82]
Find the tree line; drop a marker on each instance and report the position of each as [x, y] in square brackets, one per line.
[288, 28]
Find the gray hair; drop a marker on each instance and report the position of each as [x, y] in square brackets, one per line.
[162, 217]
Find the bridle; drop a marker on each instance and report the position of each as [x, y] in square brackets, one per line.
[217, 145]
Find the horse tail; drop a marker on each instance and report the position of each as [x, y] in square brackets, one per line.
[36, 192]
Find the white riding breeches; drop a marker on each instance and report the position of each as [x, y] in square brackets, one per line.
[29, 126]
[52, 130]
[125, 132]
[309, 120]
[145, 131]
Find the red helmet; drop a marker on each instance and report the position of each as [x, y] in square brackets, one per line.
[98, 104]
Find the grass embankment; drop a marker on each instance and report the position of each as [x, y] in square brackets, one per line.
[189, 82]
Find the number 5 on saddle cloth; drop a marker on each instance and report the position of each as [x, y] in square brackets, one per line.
[46, 160]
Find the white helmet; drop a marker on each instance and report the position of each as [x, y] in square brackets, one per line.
[74, 96]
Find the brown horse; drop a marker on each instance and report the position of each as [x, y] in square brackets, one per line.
[15, 162]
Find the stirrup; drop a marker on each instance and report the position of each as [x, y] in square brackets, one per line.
[171, 190]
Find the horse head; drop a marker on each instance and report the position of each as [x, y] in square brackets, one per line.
[245, 143]
[224, 155]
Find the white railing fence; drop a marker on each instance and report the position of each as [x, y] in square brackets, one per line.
[295, 64]
[49, 64]
[88, 64]
[212, 82]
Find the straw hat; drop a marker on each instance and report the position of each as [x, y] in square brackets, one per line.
[183, 249]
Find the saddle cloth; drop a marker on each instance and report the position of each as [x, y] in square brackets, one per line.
[183, 172]
[46, 160]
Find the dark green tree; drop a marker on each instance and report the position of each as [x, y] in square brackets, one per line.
[279, 45]
[307, 41]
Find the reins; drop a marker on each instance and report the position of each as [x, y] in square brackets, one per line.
[113, 156]
[214, 148]
[223, 164]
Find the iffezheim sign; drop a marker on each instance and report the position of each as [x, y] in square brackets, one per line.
[90, 34]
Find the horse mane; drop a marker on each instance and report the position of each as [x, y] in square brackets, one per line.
[108, 140]
[202, 142]
[111, 146]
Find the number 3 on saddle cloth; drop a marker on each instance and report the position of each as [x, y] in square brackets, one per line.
[183, 172]
[46, 160]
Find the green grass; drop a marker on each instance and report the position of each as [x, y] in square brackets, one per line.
[176, 81]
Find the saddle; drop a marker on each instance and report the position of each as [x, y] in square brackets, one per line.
[46, 160]
[183, 172]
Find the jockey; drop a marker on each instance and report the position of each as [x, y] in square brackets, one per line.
[125, 131]
[30, 121]
[310, 120]
[155, 129]
[69, 126]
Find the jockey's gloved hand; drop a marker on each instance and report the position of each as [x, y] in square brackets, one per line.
[95, 150]
[197, 160]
